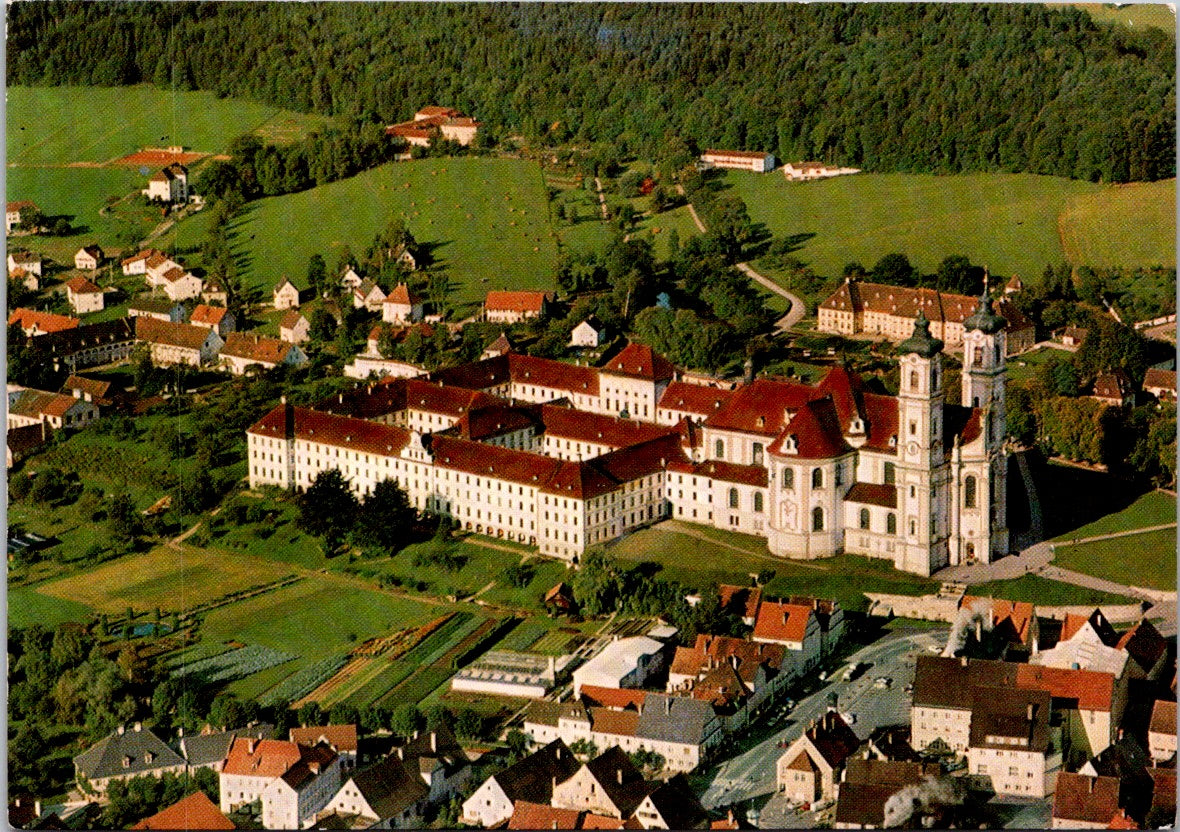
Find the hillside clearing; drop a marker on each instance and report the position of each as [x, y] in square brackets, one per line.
[1122, 225]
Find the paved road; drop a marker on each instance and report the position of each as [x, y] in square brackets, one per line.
[752, 774]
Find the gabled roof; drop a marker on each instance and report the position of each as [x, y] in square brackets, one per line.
[640, 361]
[93, 251]
[813, 433]
[290, 319]
[761, 406]
[533, 777]
[618, 779]
[20, 205]
[37, 403]
[1073, 623]
[740, 600]
[545, 372]
[186, 336]
[516, 301]
[694, 398]
[126, 754]
[176, 273]
[782, 622]
[1085, 799]
[873, 494]
[720, 471]
[1163, 718]
[205, 314]
[283, 284]
[401, 296]
[25, 256]
[1144, 644]
[47, 322]
[256, 348]
[677, 804]
[674, 719]
[1092, 690]
[869, 784]
[340, 431]
[261, 758]
[72, 341]
[597, 428]
[389, 787]
[1165, 379]
[194, 812]
[1000, 715]
[1114, 385]
[615, 698]
[342, 738]
[157, 305]
[832, 738]
[526, 815]
[1013, 619]
[81, 285]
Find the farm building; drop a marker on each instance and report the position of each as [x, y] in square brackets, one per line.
[402, 306]
[806, 171]
[752, 160]
[169, 184]
[285, 295]
[217, 318]
[432, 122]
[58, 410]
[33, 322]
[159, 308]
[88, 258]
[513, 307]
[294, 328]
[128, 752]
[505, 673]
[172, 343]
[588, 333]
[84, 295]
[243, 350]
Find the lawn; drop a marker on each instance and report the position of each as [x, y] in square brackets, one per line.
[1008, 222]
[59, 125]
[727, 557]
[1131, 14]
[1147, 559]
[164, 577]
[1122, 225]
[657, 228]
[1155, 508]
[1045, 592]
[28, 606]
[1024, 367]
[485, 220]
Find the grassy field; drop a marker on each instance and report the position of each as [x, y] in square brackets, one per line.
[165, 577]
[28, 606]
[1147, 559]
[1046, 592]
[485, 220]
[1121, 225]
[1155, 508]
[713, 556]
[1131, 15]
[59, 125]
[1008, 222]
[656, 229]
[1024, 367]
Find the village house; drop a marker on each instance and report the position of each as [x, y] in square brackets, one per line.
[213, 292]
[625, 663]
[1161, 732]
[809, 770]
[243, 350]
[1072, 336]
[34, 323]
[368, 296]
[387, 795]
[1146, 649]
[292, 781]
[880, 309]
[608, 785]
[285, 295]
[1083, 802]
[210, 749]
[1161, 384]
[1085, 643]
[12, 214]
[1113, 389]
[402, 306]
[671, 804]
[88, 258]
[126, 753]
[137, 263]
[340, 738]
[532, 779]
[161, 309]
[500, 346]
[26, 260]
[84, 295]
[1011, 742]
[513, 307]
[24, 440]
[168, 185]
[294, 328]
[74, 348]
[217, 318]
[807, 171]
[739, 677]
[867, 787]
[101, 393]
[58, 410]
[588, 334]
[27, 279]
[171, 343]
[441, 762]
[179, 284]
[350, 279]
[196, 811]
[751, 160]
[795, 626]
[432, 122]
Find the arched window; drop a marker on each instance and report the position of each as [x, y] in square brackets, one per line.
[969, 492]
[757, 453]
[719, 450]
[733, 498]
[890, 473]
[757, 501]
[817, 519]
[914, 380]
[891, 523]
[817, 478]
[864, 518]
[789, 479]
[839, 475]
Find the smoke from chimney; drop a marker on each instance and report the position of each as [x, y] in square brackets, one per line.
[931, 792]
[975, 614]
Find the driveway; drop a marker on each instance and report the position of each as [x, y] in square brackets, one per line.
[752, 774]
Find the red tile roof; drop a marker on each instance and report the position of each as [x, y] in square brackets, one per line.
[196, 811]
[1085, 799]
[755, 475]
[255, 348]
[438, 398]
[527, 815]
[339, 431]
[44, 321]
[83, 286]
[617, 698]
[495, 420]
[873, 494]
[21, 205]
[340, 737]
[640, 361]
[516, 301]
[694, 398]
[738, 154]
[761, 407]
[1165, 379]
[582, 426]
[155, 331]
[1114, 385]
[97, 389]
[205, 314]
[741, 600]
[290, 319]
[609, 721]
[555, 375]
[401, 296]
[1163, 717]
[1092, 689]
[815, 432]
[261, 758]
[782, 622]
[143, 255]
[432, 110]
[174, 274]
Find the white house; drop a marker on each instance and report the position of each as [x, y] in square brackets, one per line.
[27, 266]
[88, 258]
[809, 770]
[401, 306]
[58, 410]
[384, 796]
[589, 333]
[137, 263]
[292, 781]
[1161, 732]
[169, 185]
[533, 779]
[793, 625]
[128, 752]
[172, 343]
[751, 160]
[180, 284]
[512, 307]
[350, 279]
[217, 318]
[368, 296]
[294, 327]
[84, 295]
[286, 296]
[243, 350]
[625, 663]
[12, 214]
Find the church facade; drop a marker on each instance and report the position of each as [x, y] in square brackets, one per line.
[567, 457]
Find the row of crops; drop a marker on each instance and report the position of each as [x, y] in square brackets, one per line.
[233, 664]
[304, 681]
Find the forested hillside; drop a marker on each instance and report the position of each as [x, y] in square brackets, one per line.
[886, 87]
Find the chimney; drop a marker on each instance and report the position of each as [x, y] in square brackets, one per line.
[121, 730]
[251, 744]
[1120, 735]
[554, 783]
[1030, 712]
[668, 705]
[963, 661]
[1090, 785]
[138, 726]
[554, 826]
[433, 741]
[979, 631]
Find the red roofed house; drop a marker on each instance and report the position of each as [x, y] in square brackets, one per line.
[12, 214]
[137, 263]
[401, 306]
[794, 626]
[430, 122]
[513, 307]
[84, 295]
[368, 296]
[293, 781]
[217, 318]
[294, 328]
[26, 267]
[195, 812]
[632, 382]
[1113, 389]
[1161, 384]
[243, 350]
[809, 770]
[753, 160]
[168, 185]
[340, 738]
[1084, 802]
[172, 343]
[33, 322]
[58, 410]
[88, 258]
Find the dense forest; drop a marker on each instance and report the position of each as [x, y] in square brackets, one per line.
[886, 87]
